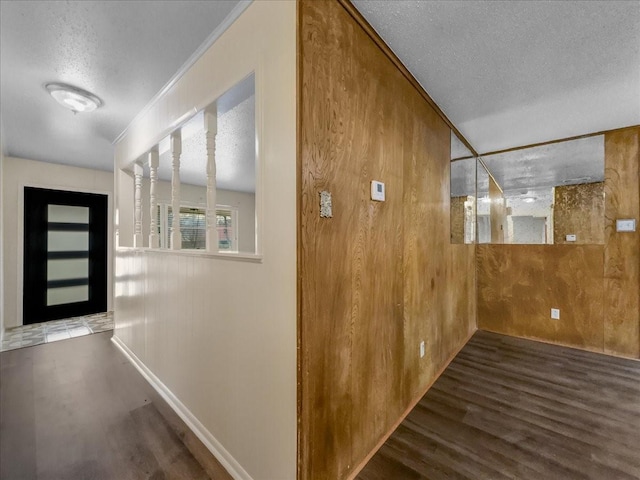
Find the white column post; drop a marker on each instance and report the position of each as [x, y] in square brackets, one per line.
[153, 202]
[210, 131]
[137, 231]
[176, 151]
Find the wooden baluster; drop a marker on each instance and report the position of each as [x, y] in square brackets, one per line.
[210, 131]
[154, 239]
[137, 231]
[176, 151]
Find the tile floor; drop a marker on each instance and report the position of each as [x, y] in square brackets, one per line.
[38, 333]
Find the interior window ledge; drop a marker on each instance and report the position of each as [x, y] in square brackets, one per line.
[240, 257]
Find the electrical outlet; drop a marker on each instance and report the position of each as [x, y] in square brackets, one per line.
[555, 313]
[422, 349]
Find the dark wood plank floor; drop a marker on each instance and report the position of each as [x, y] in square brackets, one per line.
[77, 409]
[508, 408]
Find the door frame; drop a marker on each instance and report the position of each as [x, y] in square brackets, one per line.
[20, 240]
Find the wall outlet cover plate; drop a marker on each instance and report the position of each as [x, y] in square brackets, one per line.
[377, 191]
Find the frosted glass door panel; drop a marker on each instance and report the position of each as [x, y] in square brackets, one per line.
[67, 241]
[62, 295]
[65, 269]
[67, 214]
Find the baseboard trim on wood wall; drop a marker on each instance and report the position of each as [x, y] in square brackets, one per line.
[208, 440]
[356, 471]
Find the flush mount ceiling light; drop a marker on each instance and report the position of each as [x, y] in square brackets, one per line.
[75, 99]
[529, 199]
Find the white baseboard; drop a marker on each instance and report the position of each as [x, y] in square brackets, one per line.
[215, 447]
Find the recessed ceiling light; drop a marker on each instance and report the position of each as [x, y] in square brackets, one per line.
[529, 199]
[75, 99]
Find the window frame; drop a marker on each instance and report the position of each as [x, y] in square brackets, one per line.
[164, 233]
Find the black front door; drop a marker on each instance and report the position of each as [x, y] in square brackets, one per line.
[65, 254]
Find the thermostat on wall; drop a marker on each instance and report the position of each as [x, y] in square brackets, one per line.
[377, 191]
[626, 225]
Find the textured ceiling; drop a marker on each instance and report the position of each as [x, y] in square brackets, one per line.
[520, 172]
[515, 73]
[564, 163]
[235, 143]
[124, 52]
[506, 73]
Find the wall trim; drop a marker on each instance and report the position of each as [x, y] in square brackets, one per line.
[213, 445]
[358, 468]
[239, 257]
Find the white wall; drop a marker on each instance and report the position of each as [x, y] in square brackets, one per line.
[1, 235]
[216, 335]
[16, 174]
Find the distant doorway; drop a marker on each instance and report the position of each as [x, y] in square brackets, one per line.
[65, 254]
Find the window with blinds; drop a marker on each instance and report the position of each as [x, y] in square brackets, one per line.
[193, 227]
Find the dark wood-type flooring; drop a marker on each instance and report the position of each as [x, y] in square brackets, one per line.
[507, 408]
[78, 410]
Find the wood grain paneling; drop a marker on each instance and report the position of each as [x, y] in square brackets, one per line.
[579, 210]
[457, 219]
[519, 284]
[378, 277]
[596, 287]
[622, 250]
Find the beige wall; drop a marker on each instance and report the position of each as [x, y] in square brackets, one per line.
[16, 174]
[1, 236]
[218, 335]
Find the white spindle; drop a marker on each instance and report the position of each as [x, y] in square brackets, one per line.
[137, 232]
[153, 202]
[211, 130]
[176, 150]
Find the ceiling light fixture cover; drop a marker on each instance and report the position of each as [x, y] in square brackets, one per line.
[75, 99]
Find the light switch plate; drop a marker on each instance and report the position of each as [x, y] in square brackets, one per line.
[377, 191]
[326, 207]
[555, 314]
[626, 225]
[571, 238]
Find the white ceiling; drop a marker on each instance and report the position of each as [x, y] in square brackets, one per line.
[123, 52]
[506, 73]
[235, 143]
[515, 73]
[522, 173]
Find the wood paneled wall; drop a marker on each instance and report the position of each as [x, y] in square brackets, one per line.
[457, 219]
[622, 250]
[596, 287]
[378, 277]
[579, 210]
[519, 284]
